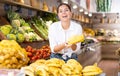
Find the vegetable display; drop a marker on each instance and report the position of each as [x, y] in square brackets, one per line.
[19, 30]
[35, 54]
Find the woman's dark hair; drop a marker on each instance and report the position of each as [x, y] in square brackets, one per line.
[65, 5]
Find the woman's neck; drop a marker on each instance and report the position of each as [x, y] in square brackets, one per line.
[65, 25]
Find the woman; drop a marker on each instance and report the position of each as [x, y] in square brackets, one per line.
[60, 31]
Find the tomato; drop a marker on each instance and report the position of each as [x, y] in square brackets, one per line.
[37, 53]
[32, 50]
[33, 58]
[39, 56]
[30, 54]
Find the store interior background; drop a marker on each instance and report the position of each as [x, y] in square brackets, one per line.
[105, 51]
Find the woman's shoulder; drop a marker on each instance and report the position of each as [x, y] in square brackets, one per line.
[54, 25]
[76, 24]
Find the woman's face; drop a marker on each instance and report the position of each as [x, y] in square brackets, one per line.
[64, 13]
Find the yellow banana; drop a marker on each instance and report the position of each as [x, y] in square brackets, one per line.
[90, 73]
[75, 39]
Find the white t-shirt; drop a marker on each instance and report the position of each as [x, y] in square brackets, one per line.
[58, 35]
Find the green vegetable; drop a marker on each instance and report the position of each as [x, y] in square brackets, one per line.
[103, 5]
[14, 31]
[41, 27]
[22, 22]
[21, 30]
[11, 36]
[20, 37]
[30, 37]
[12, 15]
[27, 29]
[5, 29]
[15, 23]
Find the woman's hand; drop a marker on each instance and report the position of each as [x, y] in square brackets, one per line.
[72, 46]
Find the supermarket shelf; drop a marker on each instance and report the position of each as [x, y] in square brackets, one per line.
[35, 44]
[22, 5]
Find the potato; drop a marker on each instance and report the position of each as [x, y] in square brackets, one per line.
[8, 66]
[7, 56]
[8, 61]
[14, 60]
[1, 59]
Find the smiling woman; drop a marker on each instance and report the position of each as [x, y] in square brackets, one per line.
[61, 31]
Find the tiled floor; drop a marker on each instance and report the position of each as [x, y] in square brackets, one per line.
[109, 67]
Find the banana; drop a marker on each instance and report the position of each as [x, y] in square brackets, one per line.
[62, 73]
[41, 71]
[29, 71]
[90, 73]
[91, 70]
[76, 38]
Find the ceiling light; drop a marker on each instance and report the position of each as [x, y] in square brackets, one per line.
[90, 14]
[65, 2]
[74, 6]
[81, 10]
[103, 15]
[85, 12]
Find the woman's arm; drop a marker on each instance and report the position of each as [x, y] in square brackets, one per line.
[59, 47]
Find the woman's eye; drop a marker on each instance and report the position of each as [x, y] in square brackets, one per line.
[61, 11]
[66, 10]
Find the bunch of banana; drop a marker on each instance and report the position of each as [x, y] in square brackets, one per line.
[72, 68]
[55, 64]
[89, 32]
[75, 39]
[28, 70]
[54, 67]
[91, 70]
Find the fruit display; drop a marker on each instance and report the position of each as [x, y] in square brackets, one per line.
[89, 32]
[35, 54]
[76, 38]
[54, 67]
[12, 55]
[91, 70]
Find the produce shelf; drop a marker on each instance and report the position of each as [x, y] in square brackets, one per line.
[34, 44]
[22, 5]
[2, 37]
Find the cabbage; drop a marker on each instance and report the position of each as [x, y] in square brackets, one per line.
[21, 30]
[20, 37]
[30, 36]
[5, 29]
[16, 23]
[11, 36]
[27, 29]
